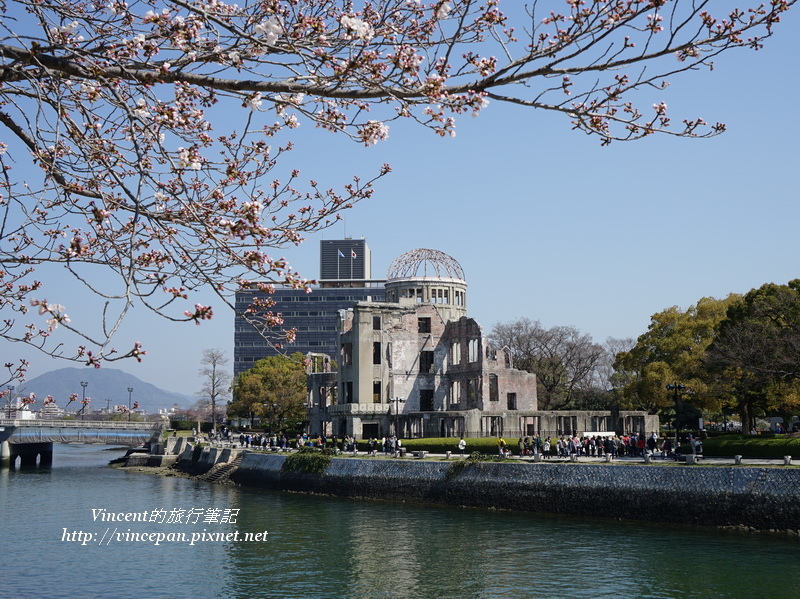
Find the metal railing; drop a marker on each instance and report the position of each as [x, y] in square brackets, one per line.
[93, 424]
[358, 408]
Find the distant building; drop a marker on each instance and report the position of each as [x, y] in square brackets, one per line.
[345, 267]
[50, 411]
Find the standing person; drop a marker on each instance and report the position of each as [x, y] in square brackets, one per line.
[652, 442]
[572, 446]
[641, 445]
[462, 445]
[615, 445]
[666, 449]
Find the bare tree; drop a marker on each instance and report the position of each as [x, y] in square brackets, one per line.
[216, 379]
[608, 377]
[603, 391]
[563, 359]
[143, 140]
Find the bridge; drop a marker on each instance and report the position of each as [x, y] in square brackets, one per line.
[32, 440]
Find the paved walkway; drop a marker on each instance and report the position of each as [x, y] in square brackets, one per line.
[724, 461]
[716, 461]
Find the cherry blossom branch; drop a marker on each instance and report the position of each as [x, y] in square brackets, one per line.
[116, 156]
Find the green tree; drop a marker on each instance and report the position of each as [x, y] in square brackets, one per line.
[274, 390]
[755, 354]
[672, 351]
[247, 393]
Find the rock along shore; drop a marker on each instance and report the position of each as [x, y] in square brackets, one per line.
[756, 498]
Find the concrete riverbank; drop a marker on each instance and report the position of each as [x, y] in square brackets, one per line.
[752, 497]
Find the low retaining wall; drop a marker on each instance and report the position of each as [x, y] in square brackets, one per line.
[758, 498]
[199, 460]
[148, 460]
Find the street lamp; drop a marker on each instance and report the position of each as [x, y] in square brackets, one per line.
[130, 391]
[397, 400]
[84, 384]
[8, 402]
[676, 389]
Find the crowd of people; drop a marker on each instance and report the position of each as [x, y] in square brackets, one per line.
[263, 441]
[565, 446]
[627, 445]
[387, 445]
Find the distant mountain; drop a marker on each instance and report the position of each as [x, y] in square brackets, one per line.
[104, 384]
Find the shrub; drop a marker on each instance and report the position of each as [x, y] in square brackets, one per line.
[752, 447]
[308, 460]
[459, 466]
[188, 425]
[182, 425]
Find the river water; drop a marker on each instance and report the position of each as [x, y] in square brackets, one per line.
[54, 543]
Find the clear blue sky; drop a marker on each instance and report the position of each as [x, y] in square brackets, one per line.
[549, 225]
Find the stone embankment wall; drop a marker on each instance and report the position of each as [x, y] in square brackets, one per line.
[195, 459]
[162, 454]
[753, 497]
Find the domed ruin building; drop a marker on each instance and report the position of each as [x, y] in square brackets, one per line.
[416, 365]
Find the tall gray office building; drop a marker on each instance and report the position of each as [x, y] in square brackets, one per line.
[345, 270]
[343, 260]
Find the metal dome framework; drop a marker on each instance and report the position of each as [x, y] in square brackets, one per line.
[425, 263]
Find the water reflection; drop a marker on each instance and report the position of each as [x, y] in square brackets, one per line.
[324, 547]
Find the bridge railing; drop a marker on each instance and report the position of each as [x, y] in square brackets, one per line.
[106, 424]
